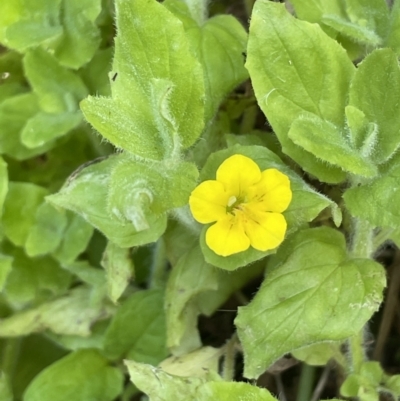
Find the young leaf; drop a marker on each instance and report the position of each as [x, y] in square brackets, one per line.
[83, 375]
[86, 193]
[293, 74]
[219, 44]
[161, 386]
[118, 265]
[58, 89]
[20, 206]
[47, 231]
[329, 143]
[156, 107]
[312, 293]
[81, 36]
[231, 391]
[73, 314]
[306, 203]
[137, 330]
[375, 91]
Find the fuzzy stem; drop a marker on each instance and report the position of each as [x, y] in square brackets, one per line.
[198, 10]
[229, 360]
[306, 382]
[159, 268]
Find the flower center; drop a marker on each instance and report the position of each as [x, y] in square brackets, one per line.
[234, 203]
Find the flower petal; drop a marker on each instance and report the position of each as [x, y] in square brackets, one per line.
[237, 173]
[272, 193]
[227, 236]
[265, 230]
[208, 202]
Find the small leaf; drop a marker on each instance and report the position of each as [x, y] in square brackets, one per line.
[83, 375]
[20, 206]
[137, 330]
[375, 90]
[86, 193]
[303, 300]
[155, 107]
[319, 354]
[292, 74]
[118, 265]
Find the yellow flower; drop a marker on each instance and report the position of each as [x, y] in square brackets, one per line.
[245, 204]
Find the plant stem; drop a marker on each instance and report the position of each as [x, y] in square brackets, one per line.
[198, 10]
[357, 353]
[10, 356]
[306, 382]
[229, 361]
[158, 271]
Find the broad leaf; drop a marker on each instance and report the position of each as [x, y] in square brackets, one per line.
[292, 74]
[82, 375]
[155, 107]
[137, 330]
[312, 293]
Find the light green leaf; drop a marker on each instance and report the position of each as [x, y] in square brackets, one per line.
[119, 268]
[5, 269]
[88, 274]
[31, 279]
[328, 143]
[370, 201]
[75, 239]
[86, 193]
[5, 388]
[312, 10]
[81, 36]
[292, 74]
[219, 44]
[20, 206]
[319, 354]
[135, 187]
[58, 89]
[306, 299]
[14, 113]
[393, 37]
[83, 375]
[156, 107]
[375, 90]
[73, 314]
[25, 24]
[46, 233]
[137, 330]
[231, 391]
[45, 127]
[305, 206]
[161, 386]
[195, 364]
[3, 183]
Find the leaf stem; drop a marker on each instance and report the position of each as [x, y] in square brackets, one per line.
[306, 382]
[229, 361]
[198, 10]
[159, 268]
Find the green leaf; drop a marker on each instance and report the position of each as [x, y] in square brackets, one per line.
[73, 314]
[20, 206]
[319, 354]
[370, 201]
[58, 89]
[328, 143]
[156, 107]
[14, 113]
[5, 388]
[393, 37]
[46, 233]
[86, 193]
[3, 183]
[219, 44]
[313, 10]
[375, 90]
[137, 330]
[81, 37]
[83, 375]
[156, 187]
[231, 391]
[5, 269]
[119, 268]
[75, 239]
[31, 279]
[46, 127]
[305, 206]
[161, 386]
[333, 297]
[292, 74]
[25, 24]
